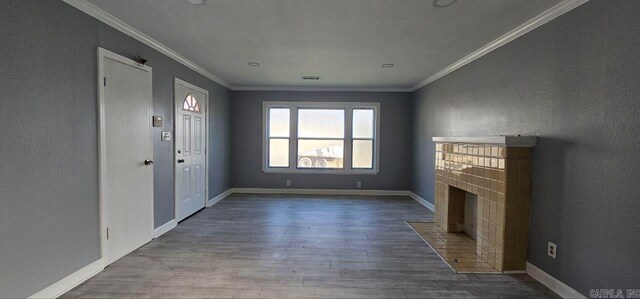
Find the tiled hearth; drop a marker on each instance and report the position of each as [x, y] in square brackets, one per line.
[458, 250]
[499, 173]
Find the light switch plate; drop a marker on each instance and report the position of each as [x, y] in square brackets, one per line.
[166, 136]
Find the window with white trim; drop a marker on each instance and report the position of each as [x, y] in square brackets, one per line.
[321, 137]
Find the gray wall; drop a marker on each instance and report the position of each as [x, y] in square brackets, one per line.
[395, 136]
[48, 123]
[575, 83]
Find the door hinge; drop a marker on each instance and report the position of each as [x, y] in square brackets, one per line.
[105, 81]
[107, 233]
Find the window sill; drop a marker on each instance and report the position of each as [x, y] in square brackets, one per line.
[322, 171]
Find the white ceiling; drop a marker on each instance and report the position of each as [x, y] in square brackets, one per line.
[345, 42]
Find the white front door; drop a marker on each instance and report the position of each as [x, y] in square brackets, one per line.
[126, 152]
[191, 129]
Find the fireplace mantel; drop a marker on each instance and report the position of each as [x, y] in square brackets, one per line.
[502, 141]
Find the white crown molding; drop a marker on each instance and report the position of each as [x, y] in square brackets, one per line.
[322, 88]
[71, 281]
[109, 19]
[539, 20]
[552, 283]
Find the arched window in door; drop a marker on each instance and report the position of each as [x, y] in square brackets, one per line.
[191, 104]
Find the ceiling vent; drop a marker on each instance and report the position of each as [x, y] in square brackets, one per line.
[310, 77]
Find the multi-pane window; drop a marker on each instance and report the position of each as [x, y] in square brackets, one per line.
[321, 138]
[279, 131]
[318, 137]
[363, 138]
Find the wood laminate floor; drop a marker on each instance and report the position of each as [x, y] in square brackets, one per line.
[274, 246]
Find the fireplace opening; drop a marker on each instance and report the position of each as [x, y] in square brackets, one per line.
[470, 226]
[463, 212]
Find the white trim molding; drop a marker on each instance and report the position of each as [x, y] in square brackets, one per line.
[323, 88]
[165, 228]
[173, 223]
[74, 279]
[414, 196]
[107, 18]
[218, 198]
[552, 283]
[422, 201]
[64, 285]
[537, 21]
[320, 191]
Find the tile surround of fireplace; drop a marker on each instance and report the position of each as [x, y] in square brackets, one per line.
[498, 171]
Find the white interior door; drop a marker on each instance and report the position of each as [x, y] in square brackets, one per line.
[126, 152]
[191, 131]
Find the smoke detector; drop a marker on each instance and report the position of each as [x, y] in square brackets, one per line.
[443, 3]
[197, 2]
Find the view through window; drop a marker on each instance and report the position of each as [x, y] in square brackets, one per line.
[321, 136]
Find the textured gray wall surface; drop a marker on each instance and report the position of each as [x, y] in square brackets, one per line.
[574, 83]
[395, 146]
[48, 122]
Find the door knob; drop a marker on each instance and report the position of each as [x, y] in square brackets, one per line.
[148, 162]
[180, 160]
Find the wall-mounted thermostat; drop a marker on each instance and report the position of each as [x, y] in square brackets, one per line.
[166, 136]
[157, 121]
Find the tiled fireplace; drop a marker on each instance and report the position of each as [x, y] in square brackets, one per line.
[498, 171]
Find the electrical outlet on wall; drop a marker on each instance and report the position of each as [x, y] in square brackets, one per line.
[552, 250]
[359, 184]
[288, 182]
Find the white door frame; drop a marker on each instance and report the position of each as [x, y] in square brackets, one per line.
[102, 173]
[176, 108]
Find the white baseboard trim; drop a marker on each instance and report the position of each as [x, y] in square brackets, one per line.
[64, 285]
[552, 283]
[218, 198]
[423, 201]
[164, 228]
[321, 191]
[74, 279]
[417, 198]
